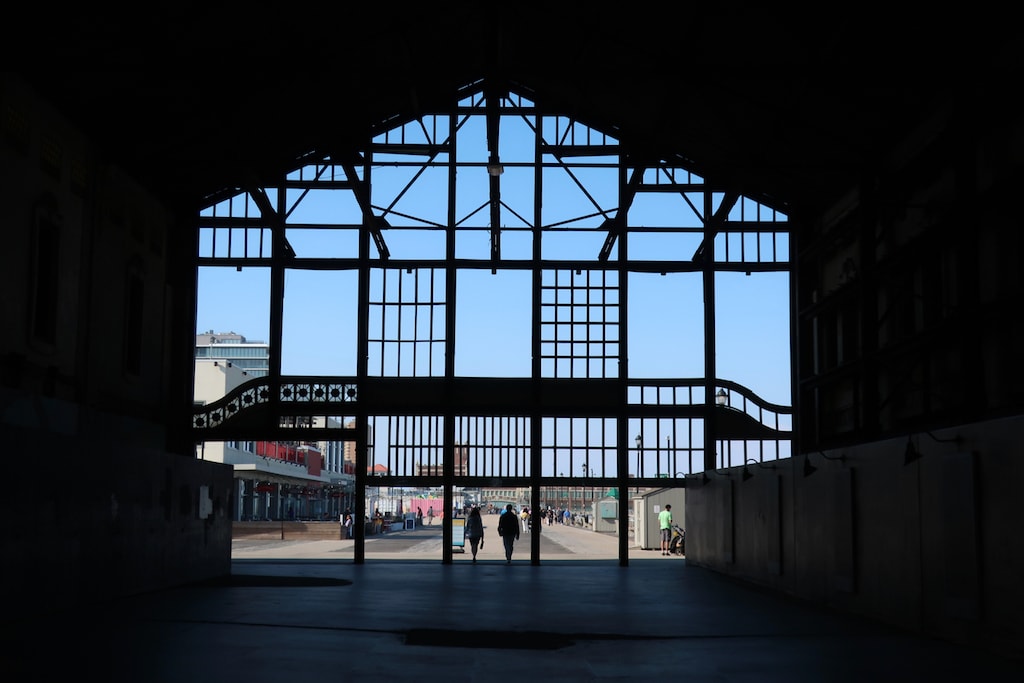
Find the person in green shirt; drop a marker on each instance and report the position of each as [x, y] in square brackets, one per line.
[665, 522]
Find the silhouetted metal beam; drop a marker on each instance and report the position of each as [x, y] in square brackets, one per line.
[269, 213]
[494, 168]
[728, 201]
[373, 224]
[616, 225]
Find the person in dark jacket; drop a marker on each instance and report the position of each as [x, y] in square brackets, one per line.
[508, 529]
[475, 530]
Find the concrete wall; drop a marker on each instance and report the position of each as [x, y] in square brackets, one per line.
[933, 546]
[104, 518]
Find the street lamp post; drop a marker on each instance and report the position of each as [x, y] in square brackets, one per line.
[593, 496]
[583, 489]
[560, 475]
[639, 464]
[668, 455]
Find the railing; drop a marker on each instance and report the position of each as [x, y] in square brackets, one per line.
[295, 391]
[660, 396]
[771, 415]
[304, 394]
[281, 530]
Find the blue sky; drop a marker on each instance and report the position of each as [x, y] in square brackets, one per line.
[666, 340]
[752, 317]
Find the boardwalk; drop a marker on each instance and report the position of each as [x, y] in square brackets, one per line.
[558, 542]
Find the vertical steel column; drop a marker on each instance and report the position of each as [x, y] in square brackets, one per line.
[795, 352]
[536, 371]
[867, 295]
[280, 242]
[448, 415]
[622, 419]
[710, 368]
[362, 359]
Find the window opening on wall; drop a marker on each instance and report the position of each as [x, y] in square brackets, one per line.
[45, 272]
[134, 322]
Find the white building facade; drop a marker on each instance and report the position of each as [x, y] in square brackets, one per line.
[294, 480]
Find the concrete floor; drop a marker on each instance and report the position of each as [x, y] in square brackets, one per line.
[304, 611]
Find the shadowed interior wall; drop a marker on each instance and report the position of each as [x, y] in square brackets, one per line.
[931, 546]
[87, 309]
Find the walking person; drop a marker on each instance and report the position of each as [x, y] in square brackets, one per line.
[430, 515]
[508, 529]
[475, 530]
[348, 526]
[665, 522]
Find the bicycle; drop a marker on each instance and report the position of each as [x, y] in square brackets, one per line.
[677, 546]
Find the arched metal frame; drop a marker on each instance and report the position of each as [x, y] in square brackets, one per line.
[578, 419]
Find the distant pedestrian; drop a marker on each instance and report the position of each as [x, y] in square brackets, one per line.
[419, 517]
[508, 529]
[475, 530]
[665, 522]
[348, 526]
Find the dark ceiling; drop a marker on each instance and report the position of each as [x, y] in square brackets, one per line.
[792, 108]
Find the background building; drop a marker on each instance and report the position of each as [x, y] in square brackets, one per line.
[273, 479]
[252, 357]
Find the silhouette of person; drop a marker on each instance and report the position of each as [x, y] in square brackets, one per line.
[475, 530]
[508, 529]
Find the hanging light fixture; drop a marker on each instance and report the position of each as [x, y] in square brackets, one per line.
[747, 474]
[810, 469]
[910, 453]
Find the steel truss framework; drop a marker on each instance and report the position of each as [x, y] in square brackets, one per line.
[425, 202]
